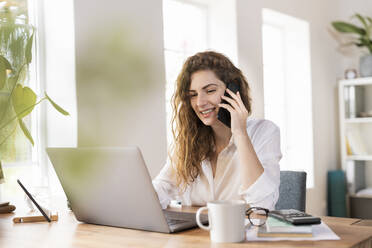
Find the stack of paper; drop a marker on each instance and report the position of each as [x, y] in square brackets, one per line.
[277, 228]
[319, 232]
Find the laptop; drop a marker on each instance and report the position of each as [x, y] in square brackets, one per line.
[112, 187]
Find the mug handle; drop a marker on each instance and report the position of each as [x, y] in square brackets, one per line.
[200, 224]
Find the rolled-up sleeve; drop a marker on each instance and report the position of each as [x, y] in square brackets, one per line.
[165, 185]
[264, 192]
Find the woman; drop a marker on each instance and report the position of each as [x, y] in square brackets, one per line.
[210, 161]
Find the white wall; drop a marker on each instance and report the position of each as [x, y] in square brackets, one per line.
[324, 67]
[120, 76]
[222, 28]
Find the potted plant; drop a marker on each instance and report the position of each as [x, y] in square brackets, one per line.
[361, 37]
[17, 100]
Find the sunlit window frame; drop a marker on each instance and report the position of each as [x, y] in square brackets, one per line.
[279, 26]
[185, 54]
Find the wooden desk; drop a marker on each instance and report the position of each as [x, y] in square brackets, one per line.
[68, 232]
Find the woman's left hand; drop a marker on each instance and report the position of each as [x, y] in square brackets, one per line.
[238, 112]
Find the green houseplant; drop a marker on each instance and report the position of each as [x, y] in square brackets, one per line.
[361, 37]
[17, 100]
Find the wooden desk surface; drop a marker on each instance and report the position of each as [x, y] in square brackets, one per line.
[68, 232]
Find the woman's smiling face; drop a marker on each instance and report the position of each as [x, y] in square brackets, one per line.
[205, 94]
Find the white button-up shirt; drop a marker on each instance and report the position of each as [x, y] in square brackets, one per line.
[226, 184]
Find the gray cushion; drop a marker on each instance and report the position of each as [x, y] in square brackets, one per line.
[292, 190]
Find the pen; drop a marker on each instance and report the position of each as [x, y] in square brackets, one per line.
[33, 200]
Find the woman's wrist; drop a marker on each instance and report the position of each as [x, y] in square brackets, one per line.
[240, 133]
[240, 137]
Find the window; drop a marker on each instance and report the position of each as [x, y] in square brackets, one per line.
[287, 87]
[54, 38]
[21, 160]
[185, 33]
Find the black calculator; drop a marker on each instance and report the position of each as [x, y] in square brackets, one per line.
[295, 217]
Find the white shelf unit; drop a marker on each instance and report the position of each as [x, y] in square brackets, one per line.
[355, 101]
[359, 120]
[359, 158]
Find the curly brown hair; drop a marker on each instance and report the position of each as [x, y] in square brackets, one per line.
[194, 141]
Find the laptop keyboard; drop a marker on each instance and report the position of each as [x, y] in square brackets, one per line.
[178, 221]
[172, 222]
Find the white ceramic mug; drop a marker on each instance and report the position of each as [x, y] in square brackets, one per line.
[226, 220]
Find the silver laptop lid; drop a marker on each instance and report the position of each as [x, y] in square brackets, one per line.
[109, 186]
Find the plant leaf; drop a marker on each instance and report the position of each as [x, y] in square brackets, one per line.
[4, 65]
[1, 174]
[56, 106]
[361, 19]
[28, 52]
[364, 41]
[369, 19]
[22, 74]
[23, 99]
[344, 27]
[2, 74]
[25, 131]
[6, 62]
[365, 24]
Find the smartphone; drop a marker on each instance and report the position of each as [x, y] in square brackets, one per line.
[223, 114]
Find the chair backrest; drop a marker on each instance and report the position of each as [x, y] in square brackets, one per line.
[292, 190]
